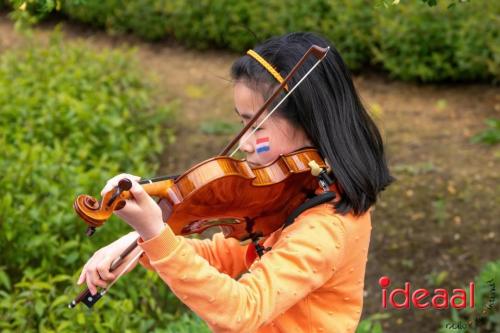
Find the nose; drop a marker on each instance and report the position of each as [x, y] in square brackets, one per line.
[246, 144]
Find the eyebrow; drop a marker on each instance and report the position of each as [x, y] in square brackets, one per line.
[244, 115]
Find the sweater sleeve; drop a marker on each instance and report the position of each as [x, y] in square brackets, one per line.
[226, 255]
[302, 260]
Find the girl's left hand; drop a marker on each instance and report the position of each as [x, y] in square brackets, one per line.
[141, 212]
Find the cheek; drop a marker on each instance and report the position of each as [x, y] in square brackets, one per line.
[263, 146]
[269, 149]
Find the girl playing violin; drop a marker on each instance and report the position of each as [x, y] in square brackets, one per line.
[311, 277]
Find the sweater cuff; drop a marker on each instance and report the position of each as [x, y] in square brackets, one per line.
[161, 245]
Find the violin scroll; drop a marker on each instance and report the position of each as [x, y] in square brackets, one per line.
[95, 212]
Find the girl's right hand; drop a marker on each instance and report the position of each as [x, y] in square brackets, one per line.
[96, 270]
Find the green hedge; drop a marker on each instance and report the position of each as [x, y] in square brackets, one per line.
[232, 24]
[70, 119]
[412, 41]
[437, 43]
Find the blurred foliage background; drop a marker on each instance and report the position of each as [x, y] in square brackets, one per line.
[71, 117]
[68, 119]
[418, 40]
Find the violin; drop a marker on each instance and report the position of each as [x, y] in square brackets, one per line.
[222, 191]
[245, 202]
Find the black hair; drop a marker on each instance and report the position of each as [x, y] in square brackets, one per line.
[328, 108]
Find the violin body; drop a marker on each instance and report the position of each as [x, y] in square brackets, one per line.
[241, 200]
[222, 191]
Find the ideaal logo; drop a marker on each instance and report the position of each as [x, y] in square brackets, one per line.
[440, 299]
[422, 298]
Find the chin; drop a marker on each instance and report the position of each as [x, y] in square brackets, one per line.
[252, 165]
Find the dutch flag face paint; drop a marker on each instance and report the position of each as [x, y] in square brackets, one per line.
[262, 145]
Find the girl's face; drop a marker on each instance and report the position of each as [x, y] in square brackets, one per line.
[276, 136]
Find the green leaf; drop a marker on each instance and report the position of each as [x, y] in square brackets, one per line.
[60, 300]
[39, 307]
[80, 318]
[60, 278]
[5, 280]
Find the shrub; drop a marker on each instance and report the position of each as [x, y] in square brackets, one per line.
[414, 41]
[233, 25]
[70, 119]
[144, 18]
[410, 40]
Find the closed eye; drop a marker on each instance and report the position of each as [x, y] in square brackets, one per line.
[253, 127]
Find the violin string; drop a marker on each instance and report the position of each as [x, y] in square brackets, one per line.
[277, 106]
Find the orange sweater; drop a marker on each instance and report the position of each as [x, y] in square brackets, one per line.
[311, 281]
